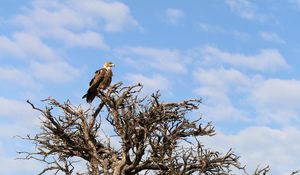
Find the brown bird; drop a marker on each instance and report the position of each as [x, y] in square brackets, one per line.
[100, 81]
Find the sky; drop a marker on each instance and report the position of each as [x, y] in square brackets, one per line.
[240, 56]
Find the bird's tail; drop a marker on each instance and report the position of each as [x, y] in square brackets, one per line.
[89, 97]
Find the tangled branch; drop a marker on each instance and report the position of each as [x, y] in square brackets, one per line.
[155, 137]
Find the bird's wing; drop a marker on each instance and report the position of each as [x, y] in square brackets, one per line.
[99, 76]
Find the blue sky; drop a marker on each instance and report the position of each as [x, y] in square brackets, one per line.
[240, 56]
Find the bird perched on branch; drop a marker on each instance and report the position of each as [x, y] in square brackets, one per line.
[100, 81]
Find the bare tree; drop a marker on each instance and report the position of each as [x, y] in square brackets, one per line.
[154, 137]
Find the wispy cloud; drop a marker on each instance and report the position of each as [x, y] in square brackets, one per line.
[266, 59]
[209, 27]
[174, 15]
[215, 29]
[247, 10]
[17, 77]
[116, 15]
[277, 101]
[272, 37]
[12, 166]
[151, 83]
[167, 60]
[218, 106]
[85, 39]
[2, 20]
[242, 36]
[54, 72]
[18, 47]
[261, 146]
[17, 118]
[75, 14]
[220, 78]
[295, 3]
[71, 22]
[75, 22]
[15, 109]
[272, 101]
[216, 84]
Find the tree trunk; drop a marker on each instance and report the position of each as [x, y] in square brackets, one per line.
[94, 166]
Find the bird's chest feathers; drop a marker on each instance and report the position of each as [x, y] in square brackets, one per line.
[106, 79]
[108, 73]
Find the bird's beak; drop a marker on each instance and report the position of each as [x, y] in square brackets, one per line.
[112, 65]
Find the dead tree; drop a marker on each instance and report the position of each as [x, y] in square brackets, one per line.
[154, 137]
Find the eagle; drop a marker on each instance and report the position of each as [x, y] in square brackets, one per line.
[100, 81]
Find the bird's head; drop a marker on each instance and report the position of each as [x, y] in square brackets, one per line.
[108, 65]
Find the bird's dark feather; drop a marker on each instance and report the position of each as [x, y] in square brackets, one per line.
[101, 80]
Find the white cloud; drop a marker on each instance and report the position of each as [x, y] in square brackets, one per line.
[167, 60]
[76, 14]
[116, 15]
[217, 106]
[271, 37]
[174, 15]
[9, 130]
[44, 20]
[216, 86]
[151, 83]
[56, 72]
[50, 71]
[295, 3]
[75, 22]
[231, 94]
[262, 146]
[206, 27]
[267, 59]
[37, 72]
[48, 14]
[221, 79]
[209, 27]
[242, 36]
[62, 23]
[36, 47]
[86, 39]
[245, 9]
[14, 108]
[18, 118]
[18, 46]
[277, 101]
[17, 77]
[7, 46]
[2, 20]
[9, 166]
